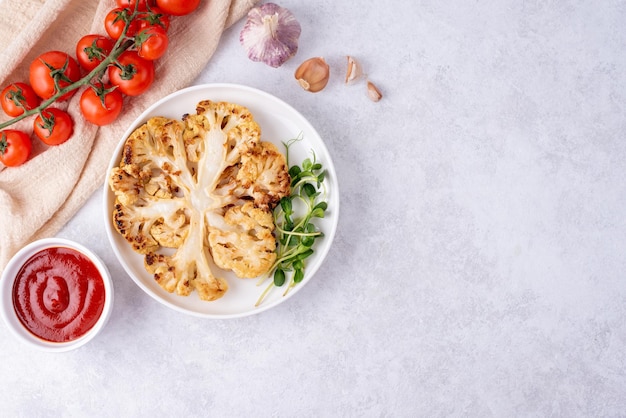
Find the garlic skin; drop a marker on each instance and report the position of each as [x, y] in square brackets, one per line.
[313, 74]
[270, 34]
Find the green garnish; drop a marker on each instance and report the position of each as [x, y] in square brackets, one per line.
[293, 216]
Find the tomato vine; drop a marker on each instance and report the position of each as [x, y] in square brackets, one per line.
[119, 47]
[140, 38]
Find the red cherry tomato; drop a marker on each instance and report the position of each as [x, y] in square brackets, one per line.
[152, 43]
[101, 105]
[178, 7]
[55, 127]
[18, 96]
[91, 50]
[115, 21]
[132, 74]
[15, 147]
[53, 66]
[130, 4]
[154, 17]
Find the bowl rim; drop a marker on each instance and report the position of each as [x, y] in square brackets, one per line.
[6, 295]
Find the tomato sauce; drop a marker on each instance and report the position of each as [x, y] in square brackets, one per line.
[58, 294]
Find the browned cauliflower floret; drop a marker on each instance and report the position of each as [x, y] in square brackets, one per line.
[156, 148]
[135, 222]
[264, 174]
[125, 186]
[161, 186]
[205, 188]
[171, 231]
[145, 196]
[188, 268]
[243, 242]
[231, 123]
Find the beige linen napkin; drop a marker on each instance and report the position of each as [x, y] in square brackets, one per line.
[39, 197]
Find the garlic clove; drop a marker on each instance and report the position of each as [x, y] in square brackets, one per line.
[313, 74]
[373, 93]
[354, 70]
[270, 34]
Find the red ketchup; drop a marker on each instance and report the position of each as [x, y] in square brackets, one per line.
[58, 294]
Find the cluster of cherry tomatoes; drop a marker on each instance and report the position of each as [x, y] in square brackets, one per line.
[113, 66]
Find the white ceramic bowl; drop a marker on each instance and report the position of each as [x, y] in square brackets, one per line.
[279, 122]
[7, 308]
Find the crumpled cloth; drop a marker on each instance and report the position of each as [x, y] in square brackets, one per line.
[40, 196]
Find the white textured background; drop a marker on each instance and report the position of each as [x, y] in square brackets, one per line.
[479, 266]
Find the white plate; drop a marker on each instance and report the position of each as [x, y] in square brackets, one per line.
[279, 122]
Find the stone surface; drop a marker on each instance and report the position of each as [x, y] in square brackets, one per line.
[479, 265]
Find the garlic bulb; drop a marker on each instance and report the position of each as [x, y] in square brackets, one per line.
[270, 34]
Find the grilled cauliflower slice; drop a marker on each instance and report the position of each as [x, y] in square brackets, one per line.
[196, 196]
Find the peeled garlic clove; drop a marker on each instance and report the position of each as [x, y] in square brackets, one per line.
[270, 34]
[373, 93]
[313, 74]
[354, 70]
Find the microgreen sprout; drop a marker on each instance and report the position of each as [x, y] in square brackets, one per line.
[294, 218]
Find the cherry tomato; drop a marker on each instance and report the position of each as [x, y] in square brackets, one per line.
[115, 21]
[91, 50]
[178, 7]
[15, 147]
[53, 66]
[54, 128]
[16, 97]
[154, 17]
[101, 104]
[152, 43]
[132, 74]
[130, 4]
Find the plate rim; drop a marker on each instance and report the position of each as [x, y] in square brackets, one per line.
[141, 118]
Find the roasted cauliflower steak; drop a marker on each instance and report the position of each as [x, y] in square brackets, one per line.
[195, 197]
